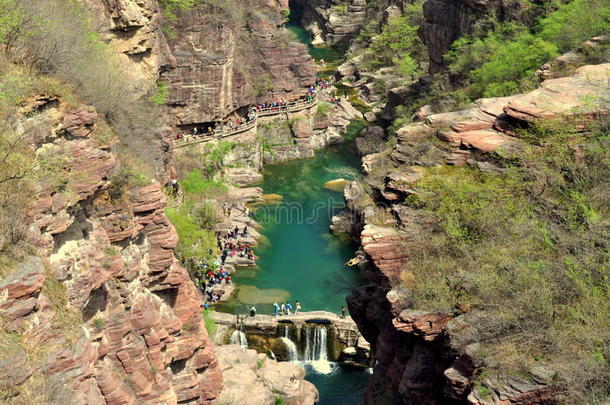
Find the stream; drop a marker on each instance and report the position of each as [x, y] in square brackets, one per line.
[299, 259]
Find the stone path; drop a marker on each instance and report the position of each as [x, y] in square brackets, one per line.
[239, 198]
[271, 322]
[265, 112]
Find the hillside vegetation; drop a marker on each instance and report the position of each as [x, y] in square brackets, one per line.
[524, 251]
[530, 248]
[499, 58]
[50, 49]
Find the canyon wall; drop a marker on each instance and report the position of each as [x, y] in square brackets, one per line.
[133, 30]
[228, 57]
[434, 357]
[101, 312]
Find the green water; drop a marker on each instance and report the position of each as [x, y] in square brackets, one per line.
[344, 386]
[294, 25]
[298, 258]
[301, 260]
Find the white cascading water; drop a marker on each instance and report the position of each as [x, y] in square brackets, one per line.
[316, 351]
[238, 338]
[291, 348]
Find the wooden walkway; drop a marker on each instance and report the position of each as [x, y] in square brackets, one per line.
[293, 107]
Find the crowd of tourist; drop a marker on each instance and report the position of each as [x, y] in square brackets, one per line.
[286, 308]
[229, 245]
[232, 124]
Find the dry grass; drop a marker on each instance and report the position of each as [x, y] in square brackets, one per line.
[530, 249]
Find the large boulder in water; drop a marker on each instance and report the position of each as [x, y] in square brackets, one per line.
[371, 140]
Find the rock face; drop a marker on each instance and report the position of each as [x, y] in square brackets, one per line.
[228, 57]
[133, 28]
[434, 357]
[447, 20]
[112, 316]
[331, 22]
[300, 134]
[487, 128]
[370, 140]
[254, 379]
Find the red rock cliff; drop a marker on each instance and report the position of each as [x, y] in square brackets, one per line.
[101, 312]
[228, 57]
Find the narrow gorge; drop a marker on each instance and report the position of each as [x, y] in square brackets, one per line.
[305, 202]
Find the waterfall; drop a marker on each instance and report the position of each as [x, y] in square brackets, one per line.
[239, 338]
[291, 349]
[316, 351]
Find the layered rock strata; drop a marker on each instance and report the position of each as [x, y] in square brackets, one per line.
[103, 312]
[231, 56]
[133, 29]
[429, 357]
[332, 22]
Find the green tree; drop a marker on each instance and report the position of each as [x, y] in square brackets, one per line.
[575, 22]
[171, 7]
[395, 40]
[510, 64]
[160, 94]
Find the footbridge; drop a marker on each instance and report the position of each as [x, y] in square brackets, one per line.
[293, 107]
[346, 329]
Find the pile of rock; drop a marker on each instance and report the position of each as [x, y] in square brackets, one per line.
[251, 378]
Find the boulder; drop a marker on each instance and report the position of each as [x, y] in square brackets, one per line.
[302, 129]
[348, 110]
[251, 378]
[336, 185]
[345, 69]
[370, 140]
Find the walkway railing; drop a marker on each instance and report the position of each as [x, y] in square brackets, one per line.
[294, 106]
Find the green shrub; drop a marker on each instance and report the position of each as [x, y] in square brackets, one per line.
[395, 40]
[171, 7]
[530, 247]
[340, 9]
[195, 183]
[98, 324]
[323, 109]
[575, 22]
[160, 94]
[195, 242]
[500, 63]
[510, 64]
[210, 325]
[503, 61]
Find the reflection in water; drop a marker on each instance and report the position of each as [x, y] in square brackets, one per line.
[302, 259]
[249, 294]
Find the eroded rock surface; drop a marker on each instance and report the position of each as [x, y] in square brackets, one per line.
[254, 379]
[103, 310]
[226, 58]
[433, 357]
